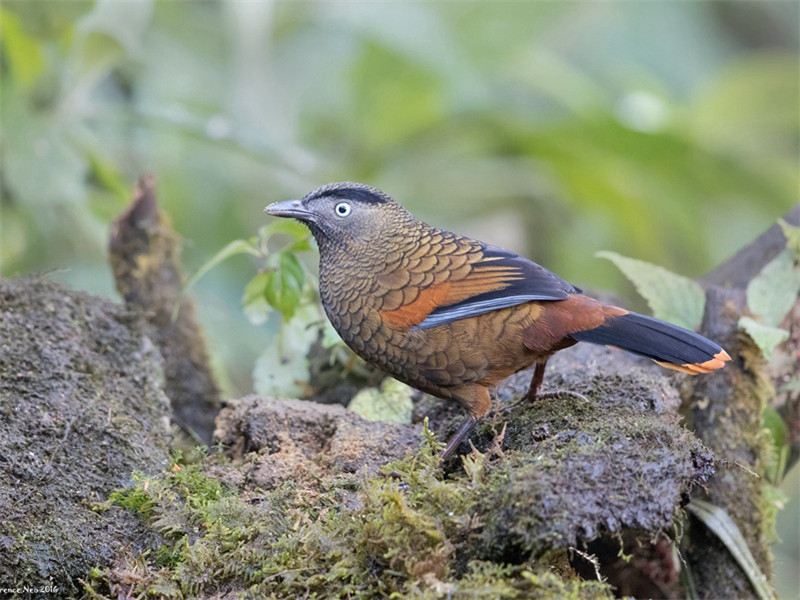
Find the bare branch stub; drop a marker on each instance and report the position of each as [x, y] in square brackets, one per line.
[784, 366]
[145, 258]
[743, 266]
[727, 414]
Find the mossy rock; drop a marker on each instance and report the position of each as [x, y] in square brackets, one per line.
[82, 407]
[275, 440]
[577, 470]
[400, 532]
[309, 506]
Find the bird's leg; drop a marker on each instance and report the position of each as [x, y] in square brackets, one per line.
[536, 382]
[458, 437]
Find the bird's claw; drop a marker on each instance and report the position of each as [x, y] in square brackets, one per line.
[557, 393]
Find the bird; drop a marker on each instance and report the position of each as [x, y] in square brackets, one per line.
[453, 316]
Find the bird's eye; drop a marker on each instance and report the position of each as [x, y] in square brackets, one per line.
[342, 209]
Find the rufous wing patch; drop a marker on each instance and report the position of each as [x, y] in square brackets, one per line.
[415, 312]
[560, 319]
[481, 280]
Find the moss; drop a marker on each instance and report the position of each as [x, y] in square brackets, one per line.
[135, 499]
[307, 510]
[405, 538]
[727, 413]
[581, 469]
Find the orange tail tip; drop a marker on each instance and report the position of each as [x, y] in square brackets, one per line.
[712, 364]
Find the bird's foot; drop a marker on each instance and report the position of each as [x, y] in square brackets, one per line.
[546, 396]
[557, 393]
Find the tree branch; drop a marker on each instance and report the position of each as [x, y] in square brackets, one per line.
[145, 259]
[727, 412]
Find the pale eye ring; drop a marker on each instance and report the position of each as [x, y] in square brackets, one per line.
[342, 209]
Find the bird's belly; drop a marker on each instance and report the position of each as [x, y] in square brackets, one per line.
[482, 349]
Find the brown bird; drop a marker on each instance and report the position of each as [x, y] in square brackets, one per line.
[453, 316]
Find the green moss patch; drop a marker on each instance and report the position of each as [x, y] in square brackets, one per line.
[312, 501]
[407, 537]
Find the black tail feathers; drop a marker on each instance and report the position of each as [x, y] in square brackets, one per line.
[669, 345]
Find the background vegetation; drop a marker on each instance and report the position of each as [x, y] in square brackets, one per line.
[667, 131]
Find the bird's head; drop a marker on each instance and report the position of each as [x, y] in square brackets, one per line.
[345, 214]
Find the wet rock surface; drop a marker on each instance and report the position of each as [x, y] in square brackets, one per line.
[274, 440]
[81, 408]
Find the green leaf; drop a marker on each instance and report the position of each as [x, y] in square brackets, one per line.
[303, 245]
[765, 337]
[290, 227]
[254, 300]
[772, 293]
[283, 368]
[232, 249]
[720, 523]
[793, 385]
[126, 23]
[671, 297]
[281, 374]
[779, 435]
[776, 425]
[300, 234]
[329, 336]
[792, 234]
[284, 286]
[106, 173]
[391, 403]
[22, 54]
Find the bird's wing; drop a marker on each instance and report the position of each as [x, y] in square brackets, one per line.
[471, 280]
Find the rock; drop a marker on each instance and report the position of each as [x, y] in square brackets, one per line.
[282, 439]
[82, 408]
[298, 506]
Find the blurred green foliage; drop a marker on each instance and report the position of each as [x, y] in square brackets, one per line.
[663, 131]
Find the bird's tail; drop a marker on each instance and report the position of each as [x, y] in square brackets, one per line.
[669, 345]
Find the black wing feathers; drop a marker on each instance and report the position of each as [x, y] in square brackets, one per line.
[530, 282]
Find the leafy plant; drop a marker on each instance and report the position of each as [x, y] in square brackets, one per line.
[678, 299]
[671, 297]
[772, 293]
[770, 296]
[391, 402]
[719, 522]
[283, 284]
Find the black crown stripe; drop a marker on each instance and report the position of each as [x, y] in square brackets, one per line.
[353, 193]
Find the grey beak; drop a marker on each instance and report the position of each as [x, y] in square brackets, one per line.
[289, 208]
